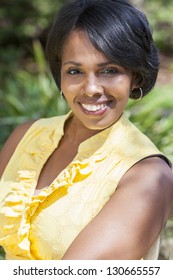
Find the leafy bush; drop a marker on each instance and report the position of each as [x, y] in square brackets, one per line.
[29, 95]
[160, 17]
[154, 116]
[22, 21]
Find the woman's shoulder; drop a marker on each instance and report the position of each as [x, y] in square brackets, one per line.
[28, 129]
[151, 178]
[12, 142]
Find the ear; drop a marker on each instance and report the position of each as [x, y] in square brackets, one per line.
[137, 80]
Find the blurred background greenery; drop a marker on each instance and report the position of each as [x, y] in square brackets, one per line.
[27, 90]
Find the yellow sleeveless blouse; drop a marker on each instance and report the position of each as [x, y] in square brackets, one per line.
[43, 226]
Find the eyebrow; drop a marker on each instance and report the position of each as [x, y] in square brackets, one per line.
[106, 63]
[72, 62]
[100, 64]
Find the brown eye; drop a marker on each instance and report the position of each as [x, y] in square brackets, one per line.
[74, 72]
[109, 71]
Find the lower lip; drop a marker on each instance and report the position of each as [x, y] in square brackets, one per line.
[95, 113]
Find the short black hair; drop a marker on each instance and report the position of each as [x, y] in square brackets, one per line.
[116, 28]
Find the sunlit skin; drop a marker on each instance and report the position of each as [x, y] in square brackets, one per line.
[88, 77]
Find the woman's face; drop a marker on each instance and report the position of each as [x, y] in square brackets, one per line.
[96, 89]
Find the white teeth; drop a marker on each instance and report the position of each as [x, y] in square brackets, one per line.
[93, 108]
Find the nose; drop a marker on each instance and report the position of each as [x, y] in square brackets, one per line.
[92, 85]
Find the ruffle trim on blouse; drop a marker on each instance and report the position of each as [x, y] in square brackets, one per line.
[19, 206]
[12, 211]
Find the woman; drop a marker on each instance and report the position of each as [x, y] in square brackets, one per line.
[89, 185]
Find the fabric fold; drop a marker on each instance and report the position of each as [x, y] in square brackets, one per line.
[19, 206]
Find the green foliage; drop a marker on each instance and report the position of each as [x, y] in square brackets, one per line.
[29, 95]
[159, 13]
[154, 116]
[21, 20]
[162, 23]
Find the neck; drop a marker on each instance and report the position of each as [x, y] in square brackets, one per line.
[76, 132]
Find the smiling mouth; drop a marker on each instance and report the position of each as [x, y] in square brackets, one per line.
[94, 107]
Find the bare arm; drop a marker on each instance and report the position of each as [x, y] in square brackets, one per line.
[11, 144]
[132, 219]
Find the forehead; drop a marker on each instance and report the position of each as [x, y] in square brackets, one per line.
[78, 46]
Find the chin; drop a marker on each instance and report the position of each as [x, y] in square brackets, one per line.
[99, 126]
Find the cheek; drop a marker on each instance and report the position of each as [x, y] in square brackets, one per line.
[120, 83]
[121, 91]
[69, 91]
[70, 85]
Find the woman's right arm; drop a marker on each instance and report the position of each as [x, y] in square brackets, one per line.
[11, 144]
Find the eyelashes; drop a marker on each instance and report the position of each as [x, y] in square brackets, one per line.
[107, 71]
[74, 72]
[110, 71]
